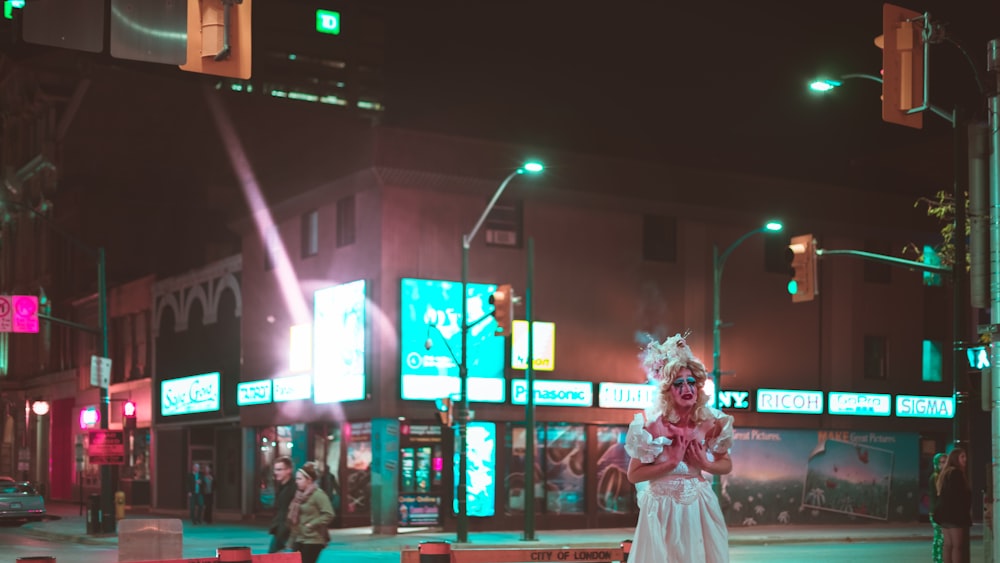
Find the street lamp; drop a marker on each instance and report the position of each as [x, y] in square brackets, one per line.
[462, 413]
[718, 263]
[824, 85]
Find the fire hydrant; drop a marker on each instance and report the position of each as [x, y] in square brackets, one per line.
[119, 505]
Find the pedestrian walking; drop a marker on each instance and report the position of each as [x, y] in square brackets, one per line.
[208, 491]
[284, 492]
[309, 515]
[196, 494]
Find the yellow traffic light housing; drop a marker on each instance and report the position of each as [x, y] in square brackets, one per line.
[902, 45]
[803, 286]
[503, 308]
[218, 34]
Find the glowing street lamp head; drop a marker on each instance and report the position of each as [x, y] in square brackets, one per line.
[774, 226]
[824, 85]
[532, 167]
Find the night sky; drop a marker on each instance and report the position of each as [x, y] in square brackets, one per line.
[719, 84]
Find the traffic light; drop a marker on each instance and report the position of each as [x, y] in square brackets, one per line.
[902, 47]
[218, 33]
[803, 286]
[444, 410]
[128, 415]
[503, 308]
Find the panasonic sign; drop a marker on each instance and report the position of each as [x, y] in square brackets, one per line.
[554, 393]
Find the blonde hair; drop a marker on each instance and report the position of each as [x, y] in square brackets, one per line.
[664, 404]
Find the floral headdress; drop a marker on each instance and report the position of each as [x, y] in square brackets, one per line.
[657, 355]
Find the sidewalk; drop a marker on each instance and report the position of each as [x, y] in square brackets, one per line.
[65, 524]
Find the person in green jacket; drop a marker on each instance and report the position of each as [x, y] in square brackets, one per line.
[937, 551]
[309, 515]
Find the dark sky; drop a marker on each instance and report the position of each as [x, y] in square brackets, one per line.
[720, 84]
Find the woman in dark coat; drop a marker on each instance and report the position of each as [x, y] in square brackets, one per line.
[954, 506]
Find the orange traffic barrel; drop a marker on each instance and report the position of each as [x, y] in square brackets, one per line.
[234, 555]
[626, 548]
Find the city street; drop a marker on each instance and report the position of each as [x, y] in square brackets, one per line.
[857, 552]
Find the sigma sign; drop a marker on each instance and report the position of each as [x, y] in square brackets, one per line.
[925, 407]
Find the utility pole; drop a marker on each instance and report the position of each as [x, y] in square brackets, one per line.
[993, 66]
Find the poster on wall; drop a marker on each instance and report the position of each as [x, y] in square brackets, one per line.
[480, 480]
[821, 477]
[615, 494]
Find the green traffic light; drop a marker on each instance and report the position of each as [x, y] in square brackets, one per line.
[793, 287]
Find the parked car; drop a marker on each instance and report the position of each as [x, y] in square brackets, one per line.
[20, 501]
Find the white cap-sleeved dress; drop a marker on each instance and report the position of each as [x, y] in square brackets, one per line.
[680, 520]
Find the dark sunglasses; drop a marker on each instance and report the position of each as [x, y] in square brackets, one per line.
[679, 383]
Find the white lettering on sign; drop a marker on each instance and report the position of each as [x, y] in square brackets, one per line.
[554, 393]
[186, 395]
[292, 388]
[925, 407]
[860, 404]
[625, 395]
[734, 399]
[789, 401]
[253, 392]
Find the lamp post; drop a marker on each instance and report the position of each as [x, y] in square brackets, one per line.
[718, 263]
[462, 413]
[101, 332]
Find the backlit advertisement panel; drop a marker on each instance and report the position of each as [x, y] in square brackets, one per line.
[339, 343]
[431, 341]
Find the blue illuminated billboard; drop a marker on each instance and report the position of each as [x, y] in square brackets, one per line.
[339, 343]
[431, 341]
[480, 479]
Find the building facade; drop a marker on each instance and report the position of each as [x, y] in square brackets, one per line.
[352, 309]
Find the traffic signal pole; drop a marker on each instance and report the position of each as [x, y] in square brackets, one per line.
[993, 66]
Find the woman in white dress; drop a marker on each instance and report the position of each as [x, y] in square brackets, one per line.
[680, 519]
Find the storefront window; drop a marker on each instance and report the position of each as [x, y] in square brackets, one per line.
[565, 449]
[516, 470]
[614, 492]
[325, 441]
[272, 443]
[138, 461]
[358, 473]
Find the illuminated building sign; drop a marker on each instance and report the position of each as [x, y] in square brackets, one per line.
[339, 343]
[431, 341]
[625, 395]
[925, 407]
[253, 392]
[859, 404]
[328, 21]
[294, 388]
[188, 395]
[789, 401]
[554, 393]
[734, 399]
[89, 417]
[543, 336]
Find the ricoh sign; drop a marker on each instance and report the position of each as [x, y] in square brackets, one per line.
[789, 401]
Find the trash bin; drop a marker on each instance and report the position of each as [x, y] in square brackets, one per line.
[94, 514]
